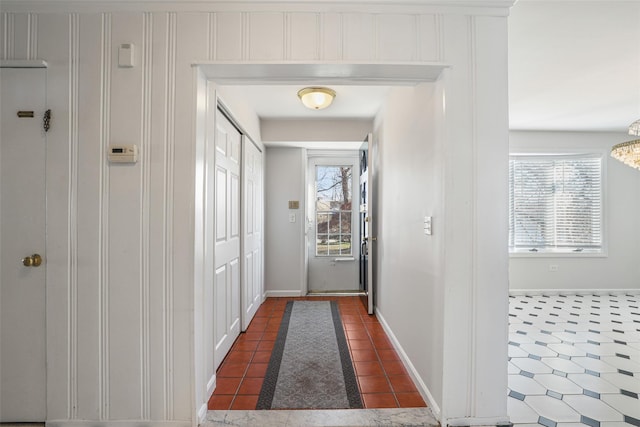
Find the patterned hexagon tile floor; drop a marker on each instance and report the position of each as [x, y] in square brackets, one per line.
[574, 360]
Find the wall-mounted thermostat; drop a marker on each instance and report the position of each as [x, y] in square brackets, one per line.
[123, 153]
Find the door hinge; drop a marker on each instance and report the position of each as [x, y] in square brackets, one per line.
[46, 121]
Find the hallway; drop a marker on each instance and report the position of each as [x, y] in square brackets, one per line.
[382, 378]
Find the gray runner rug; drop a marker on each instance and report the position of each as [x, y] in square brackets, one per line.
[310, 366]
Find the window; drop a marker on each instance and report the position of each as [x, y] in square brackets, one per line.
[333, 210]
[555, 203]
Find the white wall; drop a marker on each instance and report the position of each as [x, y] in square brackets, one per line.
[620, 268]
[242, 113]
[120, 243]
[329, 131]
[284, 241]
[410, 264]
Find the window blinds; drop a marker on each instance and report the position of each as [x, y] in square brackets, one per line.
[555, 202]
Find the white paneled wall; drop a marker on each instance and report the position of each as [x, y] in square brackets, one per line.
[120, 246]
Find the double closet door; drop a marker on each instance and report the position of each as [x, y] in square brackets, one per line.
[236, 288]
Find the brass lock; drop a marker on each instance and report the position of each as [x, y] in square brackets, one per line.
[32, 261]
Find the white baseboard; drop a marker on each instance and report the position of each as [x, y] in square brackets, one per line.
[422, 387]
[521, 292]
[493, 421]
[118, 423]
[282, 294]
[211, 385]
[202, 413]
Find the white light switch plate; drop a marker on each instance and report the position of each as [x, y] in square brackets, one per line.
[427, 225]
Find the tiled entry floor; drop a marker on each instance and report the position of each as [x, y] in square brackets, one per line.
[574, 360]
[382, 378]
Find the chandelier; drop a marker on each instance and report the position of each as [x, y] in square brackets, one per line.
[629, 152]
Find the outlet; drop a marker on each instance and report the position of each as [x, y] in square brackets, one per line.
[553, 267]
[292, 217]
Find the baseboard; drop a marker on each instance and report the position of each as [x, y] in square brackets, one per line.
[118, 423]
[422, 387]
[211, 385]
[276, 294]
[493, 421]
[202, 413]
[522, 292]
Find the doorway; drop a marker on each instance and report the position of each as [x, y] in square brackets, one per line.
[22, 231]
[252, 76]
[332, 222]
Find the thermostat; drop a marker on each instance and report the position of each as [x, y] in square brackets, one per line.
[123, 153]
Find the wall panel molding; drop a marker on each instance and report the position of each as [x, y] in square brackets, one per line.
[473, 288]
[169, 159]
[286, 39]
[245, 35]
[32, 42]
[145, 216]
[105, 125]
[212, 30]
[9, 35]
[439, 34]
[72, 257]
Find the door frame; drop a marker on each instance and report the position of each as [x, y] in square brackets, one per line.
[246, 73]
[208, 103]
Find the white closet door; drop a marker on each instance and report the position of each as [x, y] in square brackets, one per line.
[252, 248]
[226, 281]
[23, 230]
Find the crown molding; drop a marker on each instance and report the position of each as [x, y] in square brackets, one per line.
[473, 7]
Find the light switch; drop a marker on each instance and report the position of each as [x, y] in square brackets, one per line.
[125, 55]
[427, 225]
[292, 217]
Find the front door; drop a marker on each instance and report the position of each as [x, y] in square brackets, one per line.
[22, 233]
[226, 281]
[333, 224]
[368, 236]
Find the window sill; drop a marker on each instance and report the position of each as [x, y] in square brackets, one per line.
[524, 253]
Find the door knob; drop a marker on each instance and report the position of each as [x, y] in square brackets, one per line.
[32, 261]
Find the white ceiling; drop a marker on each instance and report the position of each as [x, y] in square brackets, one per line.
[573, 65]
[281, 101]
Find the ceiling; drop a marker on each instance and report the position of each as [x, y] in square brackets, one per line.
[281, 101]
[573, 65]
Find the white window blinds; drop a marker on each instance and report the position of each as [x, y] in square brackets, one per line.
[555, 203]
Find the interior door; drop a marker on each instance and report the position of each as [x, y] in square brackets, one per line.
[368, 236]
[252, 234]
[22, 233]
[226, 281]
[333, 252]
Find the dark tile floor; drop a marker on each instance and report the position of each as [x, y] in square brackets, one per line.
[383, 380]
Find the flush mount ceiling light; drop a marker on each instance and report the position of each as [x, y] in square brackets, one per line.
[316, 98]
[629, 152]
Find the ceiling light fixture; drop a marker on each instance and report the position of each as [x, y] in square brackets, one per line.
[629, 152]
[316, 98]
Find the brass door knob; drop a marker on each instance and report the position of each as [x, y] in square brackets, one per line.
[32, 261]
